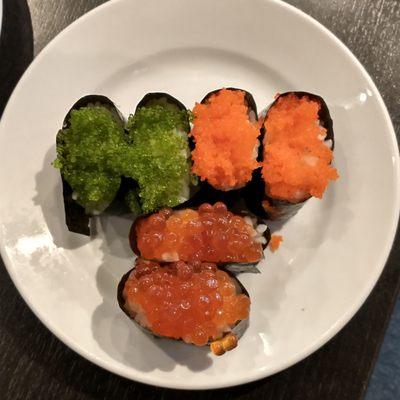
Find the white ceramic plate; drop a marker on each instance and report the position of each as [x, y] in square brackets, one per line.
[333, 250]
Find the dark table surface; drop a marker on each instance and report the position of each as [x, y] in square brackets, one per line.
[36, 365]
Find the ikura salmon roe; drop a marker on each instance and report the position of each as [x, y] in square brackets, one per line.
[297, 160]
[275, 242]
[210, 234]
[194, 302]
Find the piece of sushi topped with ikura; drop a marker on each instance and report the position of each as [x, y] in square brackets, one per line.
[209, 234]
[297, 158]
[194, 302]
[226, 137]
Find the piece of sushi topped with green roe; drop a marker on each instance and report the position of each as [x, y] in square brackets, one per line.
[159, 145]
[144, 164]
[91, 149]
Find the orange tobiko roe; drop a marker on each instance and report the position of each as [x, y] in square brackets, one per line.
[226, 141]
[275, 242]
[211, 234]
[297, 162]
[194, 302]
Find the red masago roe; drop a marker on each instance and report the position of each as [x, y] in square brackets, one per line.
[194, 302]
[210, 234]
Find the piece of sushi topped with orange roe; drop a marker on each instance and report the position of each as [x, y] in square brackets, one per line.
[208, 234]
[297, 151]
[226, 136]
[297, 155]
[194, 302]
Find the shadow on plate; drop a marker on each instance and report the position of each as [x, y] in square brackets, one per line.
[316, 214]
[49, 197]
[115, 333]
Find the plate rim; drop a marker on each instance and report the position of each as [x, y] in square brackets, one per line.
[329, 333]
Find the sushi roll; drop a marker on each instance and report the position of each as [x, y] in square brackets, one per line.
[88, 148]
[208, 234]
[297, 155]
[193, 302]
[160, 155]
[226, 140]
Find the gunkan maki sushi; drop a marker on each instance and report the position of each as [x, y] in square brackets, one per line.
[160, 155]
[209, 234]
[297, 156]
[226, 139]
[90, 146]
[194, 302]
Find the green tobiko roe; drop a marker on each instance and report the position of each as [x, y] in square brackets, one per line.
[160, 155]
[95, 151]
[90, 154]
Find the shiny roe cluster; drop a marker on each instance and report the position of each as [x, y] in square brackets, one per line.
[194, 302]
[209, 234]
